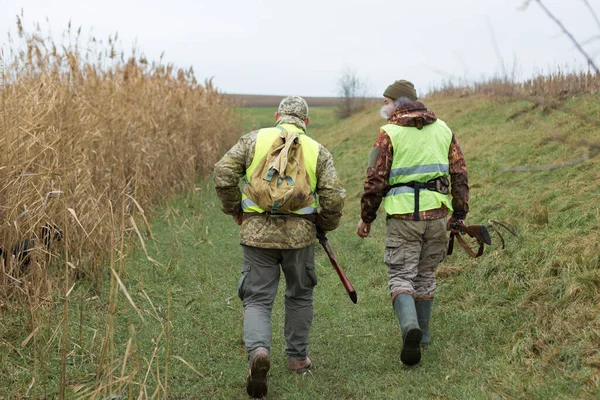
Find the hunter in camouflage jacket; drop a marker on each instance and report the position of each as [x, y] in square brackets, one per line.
[278, 232]
[380, 165]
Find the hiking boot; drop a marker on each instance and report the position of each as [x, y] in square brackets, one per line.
[260, 362]
[299, 366]
[424, 315]
[404, 305]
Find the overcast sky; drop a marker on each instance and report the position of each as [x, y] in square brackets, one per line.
[301, 47]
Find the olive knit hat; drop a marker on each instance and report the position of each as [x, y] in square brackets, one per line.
[401, 88]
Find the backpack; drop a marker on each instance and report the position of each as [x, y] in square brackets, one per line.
[280, 183]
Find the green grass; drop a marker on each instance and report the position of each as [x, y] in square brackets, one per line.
[517, 323]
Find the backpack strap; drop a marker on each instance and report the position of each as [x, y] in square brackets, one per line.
[275, 207]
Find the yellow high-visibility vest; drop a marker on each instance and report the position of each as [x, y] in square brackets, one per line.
[420, 155]
[310, 150]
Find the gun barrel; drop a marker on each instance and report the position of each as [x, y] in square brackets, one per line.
[345, 281]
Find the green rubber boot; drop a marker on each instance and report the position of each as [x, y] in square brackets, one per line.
[404, 304]
[424, 314]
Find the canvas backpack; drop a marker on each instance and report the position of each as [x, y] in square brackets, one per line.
[280, 183]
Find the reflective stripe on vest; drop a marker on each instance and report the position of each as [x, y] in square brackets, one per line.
[310, 150]
[421, 169]
[419, 156]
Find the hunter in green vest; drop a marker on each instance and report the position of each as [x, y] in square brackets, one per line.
[417, 169]
[273, 241]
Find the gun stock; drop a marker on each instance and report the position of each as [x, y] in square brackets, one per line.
[479, 232]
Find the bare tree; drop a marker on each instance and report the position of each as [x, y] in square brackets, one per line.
[593, 148]
[352, 91]
[579, 47]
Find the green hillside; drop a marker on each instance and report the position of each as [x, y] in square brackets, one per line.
[522, 322]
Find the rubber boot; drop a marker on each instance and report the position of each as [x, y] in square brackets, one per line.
[404, 304]
[424, 314]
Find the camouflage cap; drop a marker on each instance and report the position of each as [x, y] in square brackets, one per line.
[294, 106]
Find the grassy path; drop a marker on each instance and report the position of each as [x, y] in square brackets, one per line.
[518, 323]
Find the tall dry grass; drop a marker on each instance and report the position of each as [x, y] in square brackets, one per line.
[558, 85]
[89, 138]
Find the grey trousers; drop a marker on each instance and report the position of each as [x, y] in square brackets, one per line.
[258, 287]
[413, 250]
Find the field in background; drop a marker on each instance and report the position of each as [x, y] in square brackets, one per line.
[253, 118]
[254, 100]
[516, 323]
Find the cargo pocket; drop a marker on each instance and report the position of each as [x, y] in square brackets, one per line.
[312, 274]
[243, 280]
[443, 252]
[395, 253]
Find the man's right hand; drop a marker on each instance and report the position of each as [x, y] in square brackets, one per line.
[238, 218]
[452, 221]
[363, 229]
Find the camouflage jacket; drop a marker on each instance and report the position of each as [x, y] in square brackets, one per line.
[380, 164]
[278, 232]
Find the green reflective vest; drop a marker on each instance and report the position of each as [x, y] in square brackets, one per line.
[310, 149]
[419, 156]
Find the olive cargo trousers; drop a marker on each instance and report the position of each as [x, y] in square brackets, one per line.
[413, 250]
[257, 288]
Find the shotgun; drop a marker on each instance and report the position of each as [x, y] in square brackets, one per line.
[347, 285]
[479, 232]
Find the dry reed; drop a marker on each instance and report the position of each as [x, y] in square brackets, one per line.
[85, 128]
[559, 85]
